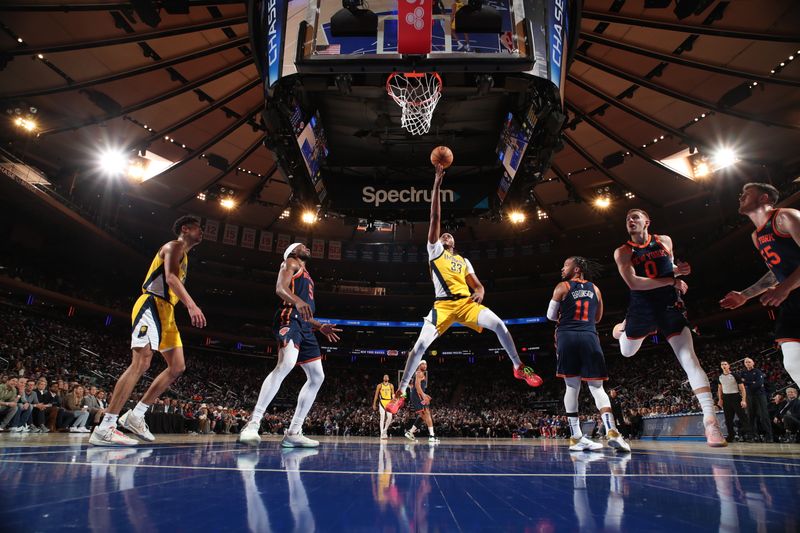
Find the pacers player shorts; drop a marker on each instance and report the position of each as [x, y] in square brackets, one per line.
[461, 309]
[153, 324]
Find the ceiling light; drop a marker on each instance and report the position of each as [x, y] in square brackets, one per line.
[201, 196]
[516, 217]
[113, 162]
[701, 170]
[227, 203]
[25, 124]
[724, 157]
[603, 202]
[309, 217]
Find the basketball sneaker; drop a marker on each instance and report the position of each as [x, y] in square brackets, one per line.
[714, 436]
[584, 444]
[433, 440]
[249, 434]
[410, 436]
[527, 374]
[616, 441]
[110, 437]
[618, 330]
[384, 436]
[136, 425]
[298, 441]
[396, 403]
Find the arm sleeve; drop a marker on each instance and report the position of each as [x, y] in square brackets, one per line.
[435, 250]
[470, 270]
[552, 310]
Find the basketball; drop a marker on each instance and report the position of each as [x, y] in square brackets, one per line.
[442, 155]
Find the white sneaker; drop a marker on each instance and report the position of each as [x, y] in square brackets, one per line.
[136, 425]
[616, 441]
[298, 441]
[25, 429]
[44, 429]
[17, 429]
[84, 429]
[584, 444]
[249, 434]
[35, 429]
[410, 436]
[433, 440]
[384, 436]
[72, 429]
[110, 437]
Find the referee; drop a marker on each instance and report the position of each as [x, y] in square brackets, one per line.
[732, 397]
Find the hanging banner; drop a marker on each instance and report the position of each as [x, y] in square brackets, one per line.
[335, 250]
[414, 32]
[231, 234]
[211, 230]
[318, 248]
[265, 242]
[248, 238]
[283, 241]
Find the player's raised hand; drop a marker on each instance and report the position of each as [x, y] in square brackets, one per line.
[681, 286]
[439, 175]
[330, 332]
[732, 300]
[682, 268]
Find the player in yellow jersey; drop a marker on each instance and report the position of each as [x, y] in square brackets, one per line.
[154, 330]
[453, 280]
[384, 393]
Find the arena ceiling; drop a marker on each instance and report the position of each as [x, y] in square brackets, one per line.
[644, 85]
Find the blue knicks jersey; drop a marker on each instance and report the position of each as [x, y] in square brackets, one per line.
[779, 250]
[579, 307]
[652, 260]
[303, 286]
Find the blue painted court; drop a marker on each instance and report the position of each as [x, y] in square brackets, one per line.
[362, 485]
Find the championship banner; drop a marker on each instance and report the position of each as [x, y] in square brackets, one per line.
[383, 254]
[211, 230]
[335, 250]
[414, 20]
[283, 241]
[248, 238]
[231, 234]
[351, 253]
[397, 255]
[265, 242]
[318, 249]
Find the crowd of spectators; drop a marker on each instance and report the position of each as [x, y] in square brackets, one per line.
[56, 375]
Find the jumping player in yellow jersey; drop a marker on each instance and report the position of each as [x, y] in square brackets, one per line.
[454, 279]
[384, 393]
[154, 330]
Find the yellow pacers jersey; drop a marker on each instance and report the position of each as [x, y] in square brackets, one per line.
[385, 394]
[449, 272]
[155, 282]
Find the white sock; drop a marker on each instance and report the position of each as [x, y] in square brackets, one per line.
[430, 431]
[487, 319]
[109, 421]
[575, 427]
[140, 409]
[314, 378]
[427, 335]
[706, 404]
[608, 421]
[791, 360]
[287, 358]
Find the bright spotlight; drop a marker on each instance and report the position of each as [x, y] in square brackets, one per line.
[701, 170]
[603, 202]
[724, 157]
[227, 203]
[516, 217]
[113, 162]
[309, 217]
[25, 124]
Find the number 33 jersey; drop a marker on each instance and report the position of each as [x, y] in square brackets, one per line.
[449, 272]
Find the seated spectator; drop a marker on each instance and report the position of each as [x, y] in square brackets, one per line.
[775, 406]
[74, 404]
[90, 401]
[789, 416]
[38, 418]
[8, 401]
[24, 408]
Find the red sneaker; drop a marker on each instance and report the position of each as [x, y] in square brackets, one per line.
[526, 373]
[396, 404]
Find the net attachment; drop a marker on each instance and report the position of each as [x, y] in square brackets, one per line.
[417, 95]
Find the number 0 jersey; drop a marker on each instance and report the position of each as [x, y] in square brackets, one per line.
[579, 307]
[449, 272]
[779, 250]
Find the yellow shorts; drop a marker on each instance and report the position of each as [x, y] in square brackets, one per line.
[447, 312]
[153, 324]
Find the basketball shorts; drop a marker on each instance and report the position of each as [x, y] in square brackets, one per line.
[153, 324]
[661, 311]
[303, 338]
[787, 322]
[445, 313]
[415, 402]
[580, 355]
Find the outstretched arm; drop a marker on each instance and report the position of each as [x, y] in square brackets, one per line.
[434, 229]
[735, 299]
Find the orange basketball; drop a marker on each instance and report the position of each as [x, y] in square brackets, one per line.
[442, 155]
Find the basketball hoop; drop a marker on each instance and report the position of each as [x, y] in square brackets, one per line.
[417, 95]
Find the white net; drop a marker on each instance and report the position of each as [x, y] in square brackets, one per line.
[417, 95]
